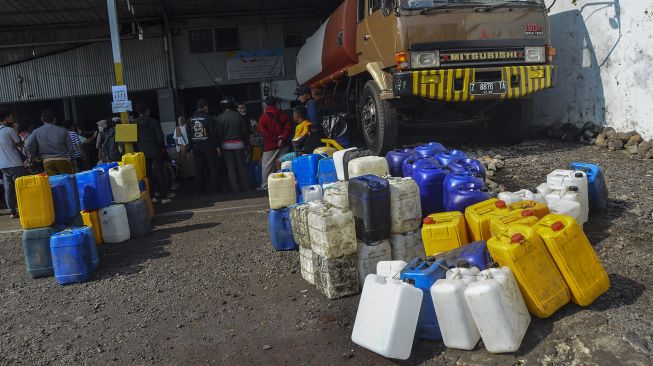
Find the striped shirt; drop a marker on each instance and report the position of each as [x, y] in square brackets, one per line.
[76, 143]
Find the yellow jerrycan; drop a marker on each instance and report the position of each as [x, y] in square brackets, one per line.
[540, 209]
[138, 161]
[478, 218]
[443, 232]
[92, 220]
[522, 250]
[35, 205]
[501, 223]
[575, 257]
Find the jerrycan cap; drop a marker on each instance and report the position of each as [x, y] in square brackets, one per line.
[557, 226]
[578, 175]
[500, 204]
[427, 220]
[462, 264]
[527, 213]
[572, 189]
[517, 238]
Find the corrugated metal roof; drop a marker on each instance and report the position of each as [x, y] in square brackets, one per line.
[21, 13]
[85, 70]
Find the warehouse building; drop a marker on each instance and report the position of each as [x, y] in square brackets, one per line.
[57, 55]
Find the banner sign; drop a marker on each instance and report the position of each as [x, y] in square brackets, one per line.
[255, 64]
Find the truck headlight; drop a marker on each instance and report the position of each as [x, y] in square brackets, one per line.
[422, 60]
[534, 55]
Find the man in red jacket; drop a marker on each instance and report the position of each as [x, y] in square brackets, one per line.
[274, 126]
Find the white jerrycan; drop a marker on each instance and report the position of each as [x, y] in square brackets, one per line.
[338, 161]
[566, 203]
[498, 309]
[312, 193]
[456, 322]
[578, 179]
[390, 269]
[387, 317]
[369, 255]
[512, 197]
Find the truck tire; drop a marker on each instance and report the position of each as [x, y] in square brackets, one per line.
[377, 120]
[511, 121]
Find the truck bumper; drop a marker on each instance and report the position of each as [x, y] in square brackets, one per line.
[452, 85]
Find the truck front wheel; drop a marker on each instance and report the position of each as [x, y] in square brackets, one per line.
[378, 120]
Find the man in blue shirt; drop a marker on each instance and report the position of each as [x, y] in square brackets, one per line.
[313, 113]
[11, 161]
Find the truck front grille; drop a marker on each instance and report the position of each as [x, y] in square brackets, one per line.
[484, 57]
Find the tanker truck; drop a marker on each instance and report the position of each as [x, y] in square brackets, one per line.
[395, 64]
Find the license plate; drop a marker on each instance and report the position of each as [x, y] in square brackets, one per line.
[485, 88]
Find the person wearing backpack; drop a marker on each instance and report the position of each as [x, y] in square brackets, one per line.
[109, 149]
[151, 143]
[204, 142]
[274, 126]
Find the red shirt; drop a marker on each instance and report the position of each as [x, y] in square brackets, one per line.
[274, 126]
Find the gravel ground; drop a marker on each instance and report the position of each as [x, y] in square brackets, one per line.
[207, 287]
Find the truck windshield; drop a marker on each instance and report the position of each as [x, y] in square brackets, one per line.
[441, 4]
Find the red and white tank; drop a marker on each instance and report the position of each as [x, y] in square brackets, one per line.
[331, 49]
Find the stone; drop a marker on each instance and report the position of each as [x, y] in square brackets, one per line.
[491, 166]
[637, 138]
[631, 149]
[615, 145]
[649, 154]
[589, 134]
[267, 347]
[644, 147]
[625, 136]
[611, 135]
[607, 130]
[601, 141]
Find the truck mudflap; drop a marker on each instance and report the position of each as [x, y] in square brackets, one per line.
[453, 85]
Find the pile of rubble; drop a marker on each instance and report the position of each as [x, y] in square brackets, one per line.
[492, 162]
[604, 137]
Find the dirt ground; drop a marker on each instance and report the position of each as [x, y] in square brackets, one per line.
[207, 288]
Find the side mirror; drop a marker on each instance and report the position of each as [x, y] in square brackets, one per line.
[387, 7]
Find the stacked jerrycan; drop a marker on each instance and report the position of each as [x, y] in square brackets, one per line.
[326, 171]
[305, 168]
[423, 275]
[368, 165]
[369, 201]
[396, 159]
[124, 187]
[405, 218]
[94, 188]
[566, 193]
[283, 194]
[301, 235]
[337, 194]
[444, 231]
[597, 189]
[465, 184]
[430, 176]
[65, 199]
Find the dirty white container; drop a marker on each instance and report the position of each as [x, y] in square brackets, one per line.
[405, 205]
[374, 165]
[556, 177]
[332, 232]
[337, 194]
[456, 322]
[544, 189]
[561, 179]
[299, 221]
[124, 184]
[114, 224]
[286, 165]
[338, 161]
[336, 277]
[566, 204]
[407, 246]
[391, 270]
[306, 264]
[281, 189]
[369, 255]
[387, 317]
[512, 197]
[312, 193]
[498, 309]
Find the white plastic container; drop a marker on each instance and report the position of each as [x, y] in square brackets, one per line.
[306, 264]
[567, 204]
[391, 270]
[286, 165]
[312, 193]
[332, 232]
[405, 205]
[114, 224]
[556, 177]
[562, 179]
[498, 309]
[281, 189]
[374, 165]
[337, 194]
[544, 189]
[124, 184]
[512, 197]
[338, 161]
[407, 246]
[387, 317]
[369, 255]
[299, 221]
[456, 322]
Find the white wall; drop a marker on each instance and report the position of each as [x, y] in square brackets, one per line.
[604, 65]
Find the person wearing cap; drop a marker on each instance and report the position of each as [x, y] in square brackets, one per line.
[275, 129]
[232, 132]
[305, 96]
